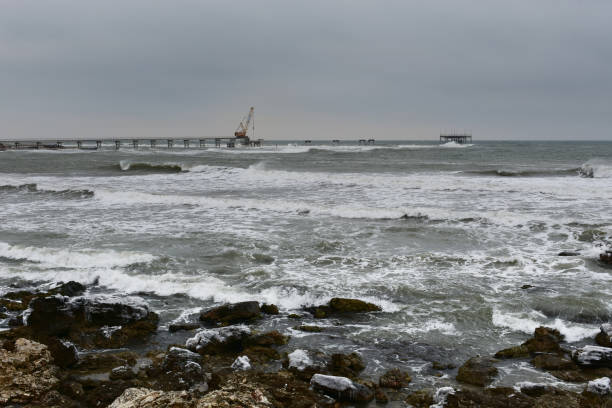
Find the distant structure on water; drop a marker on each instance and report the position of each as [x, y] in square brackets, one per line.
[461, 138]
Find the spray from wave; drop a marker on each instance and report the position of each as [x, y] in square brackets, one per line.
[596, 168]
[126, 165]
[33, 188]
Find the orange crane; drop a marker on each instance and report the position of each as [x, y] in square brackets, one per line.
[243, 127]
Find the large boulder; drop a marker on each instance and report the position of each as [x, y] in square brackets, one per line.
[91, 322]
[341, 388]
[394, 378]
[544, 340]
[478, 371]
[232, 313]
[181, 369]
[27, 373]
[341, 306]
[606, 257]
[346, 365]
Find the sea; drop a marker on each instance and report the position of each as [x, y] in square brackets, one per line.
[459, 244]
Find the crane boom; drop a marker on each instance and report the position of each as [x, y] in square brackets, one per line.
[243, 127]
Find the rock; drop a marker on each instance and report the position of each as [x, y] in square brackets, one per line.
[553, 362]
[65, 354]
[91, 322]
[604, 337]
[600, 386]
[310, 329]
[421, 398]
[146, 398]
[477, 371]
[180, 369]
[526, 287]
[231, 313]
[242, 363]
[346, 365]
[26, 373]
[219, 340]
[299, 360]
[395, 378]
[271, 338]
[341, 388]
[16, 321]
[593, 356]
[343, 305]
[122, 373]
[269, 309]
[381, 396]
[569, 253]
[174, 327]
[606, 257]
[513, 352]
[294, 316]
[534, 389]
[70, 289]
[545, 340]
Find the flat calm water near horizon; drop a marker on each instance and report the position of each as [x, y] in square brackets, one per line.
[441, 237]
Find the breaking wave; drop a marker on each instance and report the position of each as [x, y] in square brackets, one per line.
[126, 165]
[33, 188]
[527, 173]
[596, 168]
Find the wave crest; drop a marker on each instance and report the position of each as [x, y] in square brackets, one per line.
[596, 168]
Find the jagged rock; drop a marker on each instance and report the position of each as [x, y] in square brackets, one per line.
[16, 321]
[338, 306]
[593, 356]
[219, 340]
[146, 398]
[395, 378]
[242, 363]
[100, 321]
[65, 354]
[604, 337]
[606, 257]
[346, 365]
[269, 309]
[26, 373]
[271, 338]
[478, 371]
[180, 369]
[381, 396]
[231, 313]
[341, 388]
[600, 386]
[545, 340]
[174, 327]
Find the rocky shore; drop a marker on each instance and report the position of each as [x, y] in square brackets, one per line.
[69, 348]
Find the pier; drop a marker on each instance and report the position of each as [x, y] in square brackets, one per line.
[461, 138]
[118, 143]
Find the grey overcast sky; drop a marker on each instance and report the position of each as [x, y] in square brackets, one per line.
[537, 69]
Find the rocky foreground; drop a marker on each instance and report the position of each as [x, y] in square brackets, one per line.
[69, 350]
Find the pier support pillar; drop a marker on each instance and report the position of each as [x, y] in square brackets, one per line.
[135, 143]
[98, 144]
[117, 144]
[79, 144]
[186, 143]
[202, 143]
[38, 145]
[217, 142]
[170, 142]
[152, 144]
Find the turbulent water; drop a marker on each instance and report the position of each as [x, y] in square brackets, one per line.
[442, 237]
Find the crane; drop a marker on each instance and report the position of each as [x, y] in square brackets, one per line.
[243, 127]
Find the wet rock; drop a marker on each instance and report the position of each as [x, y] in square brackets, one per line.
[269, 309]
[294, 316]
[442, 395]
[395, 378]
[299, 360]
[593, 356]
[174, 327]
[421, 398]
[146, 398]
[535, 390]
[180, 369]
[65, 354]
[93, 322]
[268, 339]
[219, 340]
[122, 373]
[341, 388]
[16, 321]
[513, 352]
[70, 289]
[492, 398]
[309, 329]
[242, 363]
[606, 257]
[346, 365]
[12, 305]
[553, 362]
[545, 340]
[478, 371]
[600, 386]
[604, 337]
[27, 374]
[569, 253]
[526, 287]
[338, 306]
[232, 313]
[381, 396]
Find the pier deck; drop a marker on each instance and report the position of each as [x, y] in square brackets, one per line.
[117, 143]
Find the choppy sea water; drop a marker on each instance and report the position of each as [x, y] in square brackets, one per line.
[442, 237]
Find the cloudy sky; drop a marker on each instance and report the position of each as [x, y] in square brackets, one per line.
[313, 70]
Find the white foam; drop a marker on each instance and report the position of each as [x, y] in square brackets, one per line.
[87, 258]
[299, 359]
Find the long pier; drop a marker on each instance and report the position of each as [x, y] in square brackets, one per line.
[118, 143]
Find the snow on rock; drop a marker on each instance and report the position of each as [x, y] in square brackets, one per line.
[595, 356]
[242, 363]
[299, 359]
[217, 338]
[600, 386]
